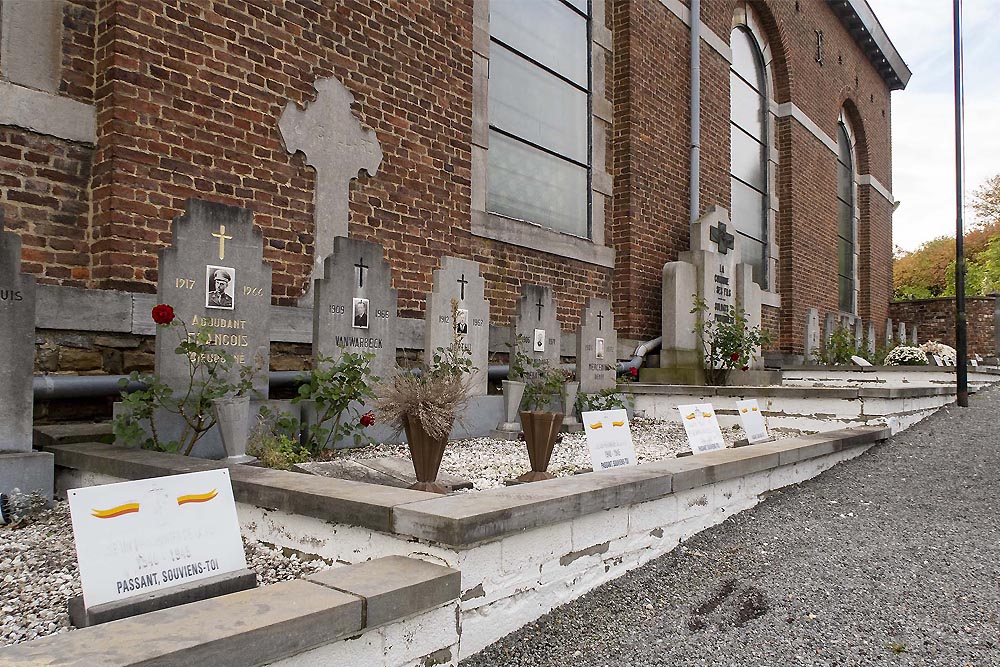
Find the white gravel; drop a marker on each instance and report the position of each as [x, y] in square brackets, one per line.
[39, 573]
[487, 462]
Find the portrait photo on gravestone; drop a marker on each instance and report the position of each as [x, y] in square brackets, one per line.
[219, 282]
[360, 313]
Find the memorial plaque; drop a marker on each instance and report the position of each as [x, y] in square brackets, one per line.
[812, 335]
[609, 438]
[459, 279]
[596, 347]
[702, 427]
[214, 275]
[355, 305]
[17, 346]
[752, 420]
[134, 538]
[535, 319]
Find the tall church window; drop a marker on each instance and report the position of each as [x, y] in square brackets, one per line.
[748, 129]
[539, 158]
[846, 219]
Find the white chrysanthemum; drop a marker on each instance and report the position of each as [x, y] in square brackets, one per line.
[905, 355]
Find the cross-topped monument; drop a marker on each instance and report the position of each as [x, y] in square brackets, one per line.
[596, 347]
[459, 279]
[361, 267]
[19, 467]
[222, 236]
[721, 238]
[338, 147]
[535, 322]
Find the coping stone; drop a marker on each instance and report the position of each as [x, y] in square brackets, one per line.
[27, 471]
[252, 627]
[195, 591]
[393, 587]
[46, 435]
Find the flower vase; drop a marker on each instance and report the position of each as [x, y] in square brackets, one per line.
[540, 432]
[570, 424]
[426, 453]
[232, 416]
[509, 428]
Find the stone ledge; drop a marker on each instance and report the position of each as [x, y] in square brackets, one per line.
[335, 500]
[253, 627]
[465, 520]
[824, 393]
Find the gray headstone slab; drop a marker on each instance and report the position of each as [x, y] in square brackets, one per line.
[535, 319]
[829, 325]
[596, 347]
[902, 333]
[214, 274]
[17, 351]
[812, 334]
[914, 339]
[354, 306]
[338, 147]
[859, 333]
[871, 337]
[459, 279]
[889, 338]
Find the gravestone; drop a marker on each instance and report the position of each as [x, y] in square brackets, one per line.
[535, 320]
[914, 340]
[812, 335]
[829, 326]
[871, 338]
[338, 147]
[902, 333]
[713, 271]
[355, 305]
[859, 333]
[889, 338]
[20, 468]
[459, 280]
[213, 274]
[596, 347]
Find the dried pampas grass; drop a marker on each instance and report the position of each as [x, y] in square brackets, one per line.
[431, 400]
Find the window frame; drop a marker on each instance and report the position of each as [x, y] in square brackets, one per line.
[845, 129]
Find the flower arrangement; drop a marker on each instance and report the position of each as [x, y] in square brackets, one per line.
[946, 352]
[209, 369]
[728, 343]
[905, 355]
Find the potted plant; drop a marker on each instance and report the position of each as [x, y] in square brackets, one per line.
[425, 405]
[541, 425]
[728, 343]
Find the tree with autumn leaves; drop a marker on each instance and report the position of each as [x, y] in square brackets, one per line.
[929, 271]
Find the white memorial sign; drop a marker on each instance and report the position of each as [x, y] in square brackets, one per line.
[702, 427]
[137, 537]
[609, 438]
[753, 421]
[937, 360]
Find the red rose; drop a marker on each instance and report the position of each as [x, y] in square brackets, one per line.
[368, 419]
[734, 356]
[163, 314]
[634, 372]
[746, 368]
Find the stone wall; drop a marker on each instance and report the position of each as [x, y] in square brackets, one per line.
[935, 320]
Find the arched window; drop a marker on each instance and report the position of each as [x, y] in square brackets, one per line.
[749, 133]
[847, 222]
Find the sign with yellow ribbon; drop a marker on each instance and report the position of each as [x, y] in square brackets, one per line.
[702, 427]
[609, 438]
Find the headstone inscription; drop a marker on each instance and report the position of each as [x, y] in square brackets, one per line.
[355, 305]
[713, 271]
[596, 347]
[459, 280]
[20, 468]
[535, 321]
[812, 335]
[337, 146]
[213, 275]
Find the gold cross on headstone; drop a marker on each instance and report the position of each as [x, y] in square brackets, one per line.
[222, 240]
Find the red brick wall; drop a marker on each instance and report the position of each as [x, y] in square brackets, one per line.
[935, 320]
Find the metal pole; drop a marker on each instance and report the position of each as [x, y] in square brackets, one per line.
[960, 319]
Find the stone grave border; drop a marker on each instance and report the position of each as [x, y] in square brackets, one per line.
[522, 550]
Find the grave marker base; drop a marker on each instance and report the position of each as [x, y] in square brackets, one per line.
[27, 472]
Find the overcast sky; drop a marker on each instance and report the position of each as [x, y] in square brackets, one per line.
[923, 143]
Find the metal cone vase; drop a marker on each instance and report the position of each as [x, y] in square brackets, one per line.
[426, 453]
[540, 432]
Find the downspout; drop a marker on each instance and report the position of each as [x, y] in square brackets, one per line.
[695, 110]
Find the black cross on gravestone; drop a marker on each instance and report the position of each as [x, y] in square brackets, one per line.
[361, 271]
[540, 306]
[723, 239]
[463, 282]
[600, 320]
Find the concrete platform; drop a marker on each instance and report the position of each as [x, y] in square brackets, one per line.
[27, 471]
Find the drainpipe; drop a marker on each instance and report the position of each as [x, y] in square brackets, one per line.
[695, 110]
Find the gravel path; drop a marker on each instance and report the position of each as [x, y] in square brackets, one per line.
[889, 559]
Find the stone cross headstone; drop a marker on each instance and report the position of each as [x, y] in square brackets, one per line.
[871, 337]
[20, 467]
[812, 335]
[889, 338]
[902, 333]
[213, 274]
[859, 333]
[459, 280]
[338, 147]
[17, 352]
[596, 347]
[355, 305]
[536, 324]
[713, 271]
